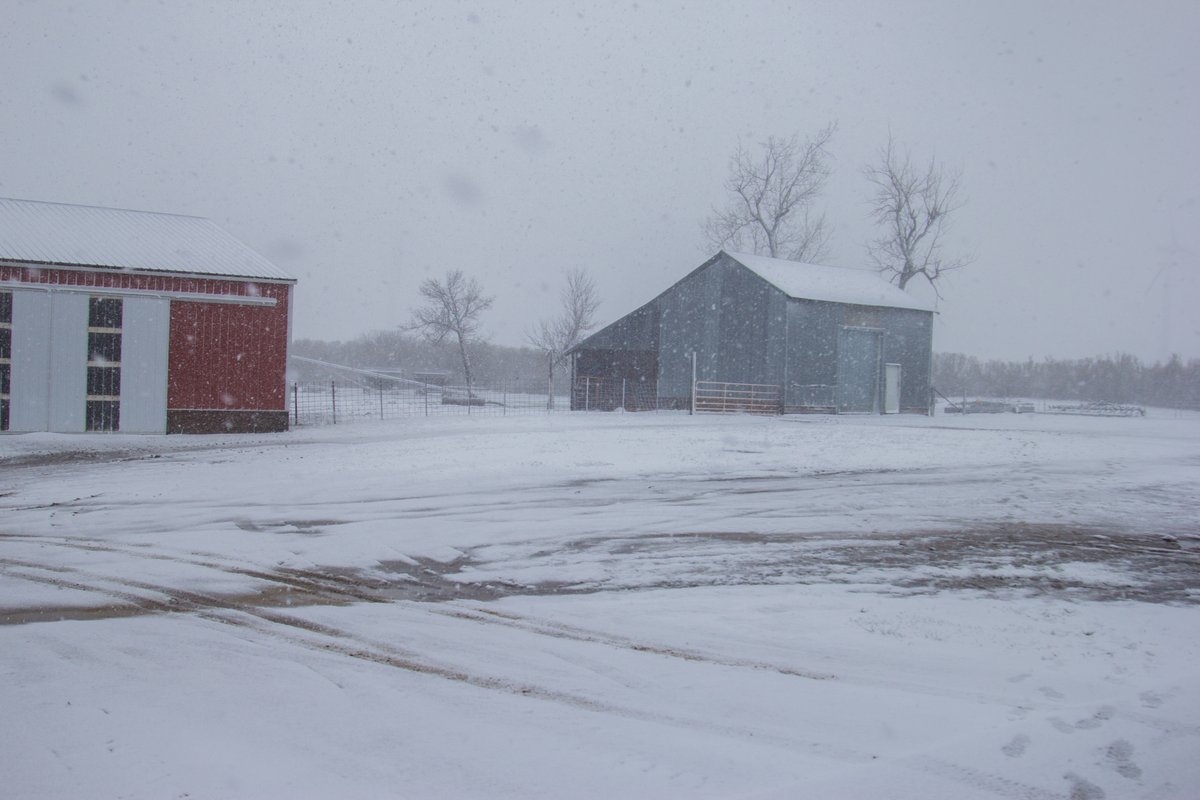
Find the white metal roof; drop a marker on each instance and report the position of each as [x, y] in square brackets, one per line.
[833, 284]
[56, 233]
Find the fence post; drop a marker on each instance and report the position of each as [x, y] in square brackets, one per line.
[333, 399]
[504, 398]
[427, 399]
[296, 401]
[622, 394]
[381, 399]
[692, 407]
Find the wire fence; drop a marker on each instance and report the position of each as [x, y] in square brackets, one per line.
[340, 402]
[986, 405]
[813, 396]
[590, 393]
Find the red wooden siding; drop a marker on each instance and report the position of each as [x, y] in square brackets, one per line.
[227, 357]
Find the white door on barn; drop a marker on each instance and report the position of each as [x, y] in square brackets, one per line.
[145, 337]
[49, 361]
[30, 376]
[891, 388]
[68, 362]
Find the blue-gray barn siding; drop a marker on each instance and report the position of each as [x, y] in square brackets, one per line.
[733, 320]
[744, 330]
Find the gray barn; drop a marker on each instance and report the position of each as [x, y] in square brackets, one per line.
[831, 339]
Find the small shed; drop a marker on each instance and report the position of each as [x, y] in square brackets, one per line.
[824, 339]
[117, 320]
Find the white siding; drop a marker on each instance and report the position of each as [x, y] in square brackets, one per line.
[68, 362]
[144, 339]
[30, 393]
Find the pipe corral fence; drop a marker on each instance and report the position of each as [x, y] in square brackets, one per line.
[725, 398]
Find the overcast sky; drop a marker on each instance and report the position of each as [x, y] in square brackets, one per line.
[366, 146]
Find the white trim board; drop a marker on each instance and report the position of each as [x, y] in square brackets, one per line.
[106, 291]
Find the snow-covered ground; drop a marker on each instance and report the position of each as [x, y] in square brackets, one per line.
[595, 605]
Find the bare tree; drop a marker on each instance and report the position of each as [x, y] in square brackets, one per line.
[452, 308]
[912, 207]
[770, 210]
[555, 336]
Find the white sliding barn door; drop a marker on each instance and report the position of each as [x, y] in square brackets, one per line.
[49, 362]
[68, 362]
[29, 408]
[144, 337]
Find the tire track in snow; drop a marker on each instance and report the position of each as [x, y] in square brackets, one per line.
[322, 638]
[311, 581]
[348, 587]
[326, 639]
[573, 633]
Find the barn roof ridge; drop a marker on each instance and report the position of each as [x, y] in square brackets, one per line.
[101, 208]
[41, 232]
[849, 285]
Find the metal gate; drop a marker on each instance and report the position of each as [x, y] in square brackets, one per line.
[748, 398]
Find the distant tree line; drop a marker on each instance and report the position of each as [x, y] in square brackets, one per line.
[1120, 378]
[443, 336]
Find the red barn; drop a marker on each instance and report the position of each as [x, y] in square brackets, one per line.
[116, 320]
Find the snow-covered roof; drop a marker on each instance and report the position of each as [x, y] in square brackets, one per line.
[56, 233]
[833, 284]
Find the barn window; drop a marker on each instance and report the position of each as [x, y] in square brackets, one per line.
[105, 312]
[104, 382]
[5, 356]
[104, 347]
[104, 364]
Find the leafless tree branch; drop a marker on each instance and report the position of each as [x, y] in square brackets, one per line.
[557, 335]
[452, 307]
[772, 192]
[912, 207]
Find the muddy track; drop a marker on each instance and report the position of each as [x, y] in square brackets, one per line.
[327, 640]
[252, 612]
[999, 558]
[327, 585]
[309, 587]
[321, 638]
[327, 593]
